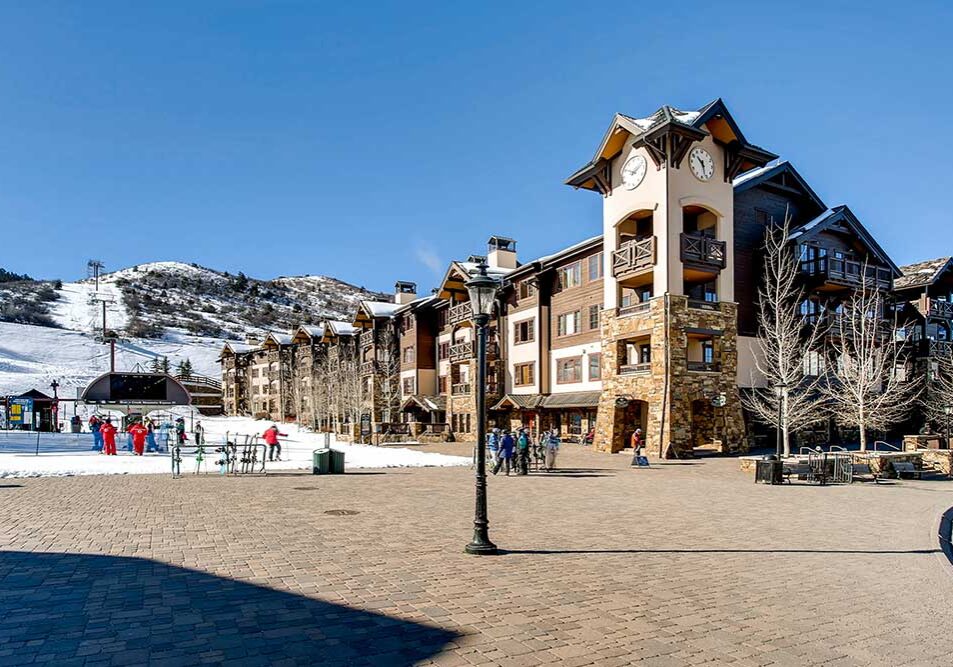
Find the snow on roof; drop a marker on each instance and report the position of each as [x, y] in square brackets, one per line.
[755, 173]
[342, 328]
[239, 348]
[317, 330]
[803, 229]
[567, 251]
[380, 308]
[493, 271]
[280, 338]
[417, 303]
[921, 273]
[666, 112]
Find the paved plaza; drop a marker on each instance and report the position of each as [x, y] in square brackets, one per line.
[680, 564]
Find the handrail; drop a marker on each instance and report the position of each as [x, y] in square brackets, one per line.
[886, 444]
[837, 448]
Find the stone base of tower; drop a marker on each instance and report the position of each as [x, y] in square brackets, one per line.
[679, 403]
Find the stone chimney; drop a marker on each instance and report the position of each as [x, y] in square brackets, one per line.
[404, 292]
[501, 252]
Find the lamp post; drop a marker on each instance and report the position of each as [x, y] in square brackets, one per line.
[780, 390]
[948, 410]
[54, 385]
[483, 291]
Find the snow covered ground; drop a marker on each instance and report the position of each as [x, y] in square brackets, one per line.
[64, 454]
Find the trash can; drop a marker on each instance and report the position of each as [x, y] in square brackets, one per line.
[337, 462]
[321, 462]
[769, 470]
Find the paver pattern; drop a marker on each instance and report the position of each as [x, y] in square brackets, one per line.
[679, 564]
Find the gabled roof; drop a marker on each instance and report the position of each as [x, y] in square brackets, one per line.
[923, 273]
[279, 339]
[837, 215]
[459, 272]
[774, 170]
[368, 311]
[36, 395]
[712, 119]
[339, 328]
[308, 333]
[417, 303]
[236, 348]
[519, 402]
[428, 403]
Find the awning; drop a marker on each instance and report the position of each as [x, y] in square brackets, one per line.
[427, 403]
[572, 399]
[519, 402]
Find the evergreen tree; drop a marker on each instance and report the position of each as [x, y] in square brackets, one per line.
[241, 282]
[184, 369]
[164, 365]
[155, 366]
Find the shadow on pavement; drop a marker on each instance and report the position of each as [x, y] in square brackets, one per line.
[77, 607]
[551, 552]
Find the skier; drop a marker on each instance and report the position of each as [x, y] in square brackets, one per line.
[271, 439]
[493, 444]
[95, 426]
[138, 434]
[180, 431]
[522, 449]
[164, 436]
[505, 456]
[199, 433]
[552, 448]
[109, 437]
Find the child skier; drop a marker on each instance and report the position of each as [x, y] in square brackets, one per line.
[109, 437]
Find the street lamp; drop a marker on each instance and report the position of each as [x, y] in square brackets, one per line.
[54, 385]
[780, 390]
[483, 291]
[948, 410]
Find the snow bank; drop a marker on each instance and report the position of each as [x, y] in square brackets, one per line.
[64, 454]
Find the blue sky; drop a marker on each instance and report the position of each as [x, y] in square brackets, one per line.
[376, 141]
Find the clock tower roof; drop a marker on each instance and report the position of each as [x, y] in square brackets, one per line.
[712, 119]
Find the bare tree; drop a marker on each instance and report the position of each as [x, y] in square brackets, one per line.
[789, 342]
[387, 372]
[867, 382]
[937, 396]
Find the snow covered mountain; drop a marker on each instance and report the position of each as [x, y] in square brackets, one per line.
[52, 330]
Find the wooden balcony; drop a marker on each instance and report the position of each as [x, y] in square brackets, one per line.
[940, 348]
[460, 389]
[941, 309]
[367, 338]
[635, 369]
[846, 273]
[704, 366]
[459, 313]
[369, 367]
[703, 252]
[633, 257]
[462, 351]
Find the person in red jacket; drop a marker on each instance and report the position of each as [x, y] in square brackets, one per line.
[109, 437]
[138, 433]
[271, 439]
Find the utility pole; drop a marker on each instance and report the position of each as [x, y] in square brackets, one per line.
[93, 268]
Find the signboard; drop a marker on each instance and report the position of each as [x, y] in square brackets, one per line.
[365, 424]
[21, 411]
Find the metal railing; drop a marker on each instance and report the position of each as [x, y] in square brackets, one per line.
[633, 257]
[703, 250]
[704, 366]
[701, 304]
[635, 369]
[635, 309]
[880, 443]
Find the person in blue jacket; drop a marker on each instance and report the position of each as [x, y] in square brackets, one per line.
[506, 453]
[493, 444]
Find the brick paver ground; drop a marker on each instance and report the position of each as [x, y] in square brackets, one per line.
[605, 565]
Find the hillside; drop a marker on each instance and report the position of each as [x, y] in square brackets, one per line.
[50, 330]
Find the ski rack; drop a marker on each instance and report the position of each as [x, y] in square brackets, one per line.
[237, 455]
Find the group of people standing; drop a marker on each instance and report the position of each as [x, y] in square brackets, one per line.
[143, 434]
[513, 450]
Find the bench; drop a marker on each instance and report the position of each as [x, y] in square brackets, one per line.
[801, 470]
[863, 472]
[906, 468]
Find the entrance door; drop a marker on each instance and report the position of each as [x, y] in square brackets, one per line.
[633, 416]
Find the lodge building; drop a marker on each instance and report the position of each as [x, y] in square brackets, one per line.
[651, 323]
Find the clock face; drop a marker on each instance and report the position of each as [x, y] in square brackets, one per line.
[633, 171]
[703, 166]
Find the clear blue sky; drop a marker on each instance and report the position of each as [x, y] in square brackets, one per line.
[376, 141]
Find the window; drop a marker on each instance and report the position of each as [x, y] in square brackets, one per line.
[595, 366]
[570, 276]
[569, 370]
[524, 332]
[708, 351]
[595, 267]
[523, 374]
[442, 384]
[408, 355]
[645, 353]
[443, 350]
[526, 289]
[442, 318]
[594, 316]
[408, 386]
[567, 324]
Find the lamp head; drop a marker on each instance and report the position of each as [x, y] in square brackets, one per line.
[482, 289]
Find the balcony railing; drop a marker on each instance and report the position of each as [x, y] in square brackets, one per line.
[704, 251]
[635, 369]
[942, 309]
[633, 257]
[367, 338]
[704, 366]
[459, 313]
[461, 351]
[634, 309]
[369, 367]
[701, 304]
[941, 348]
[460, 389]
[847, 272]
